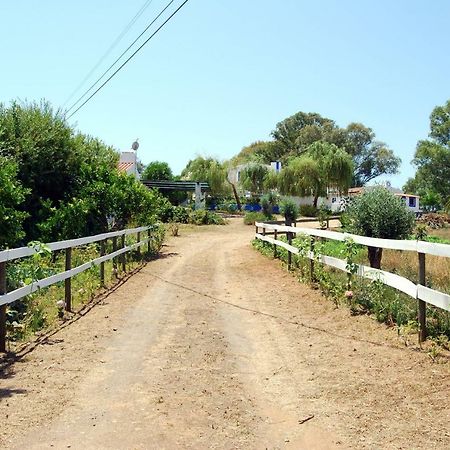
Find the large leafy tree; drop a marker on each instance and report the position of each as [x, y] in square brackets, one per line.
[371, 158]
[157, 171]
[432, 159]
[322, 166]
[293, 135]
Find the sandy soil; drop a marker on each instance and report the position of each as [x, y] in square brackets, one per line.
[215, 346]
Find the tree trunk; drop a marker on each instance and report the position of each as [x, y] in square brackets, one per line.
[374, 254]
[236, 196]
[316, 198]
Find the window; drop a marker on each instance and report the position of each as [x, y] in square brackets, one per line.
[412, 202]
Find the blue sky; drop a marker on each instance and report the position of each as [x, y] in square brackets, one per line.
[221, 74]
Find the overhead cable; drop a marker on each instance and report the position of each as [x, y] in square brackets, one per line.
[110, 49]
[119, 58]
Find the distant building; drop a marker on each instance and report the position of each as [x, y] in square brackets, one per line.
[128, 161]
[411, 201]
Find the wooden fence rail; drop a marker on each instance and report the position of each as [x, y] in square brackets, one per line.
[66, 276]
[420, 292]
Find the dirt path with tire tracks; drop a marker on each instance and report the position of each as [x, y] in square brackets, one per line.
[215, 346]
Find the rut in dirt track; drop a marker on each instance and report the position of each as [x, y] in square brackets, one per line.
[215, 346]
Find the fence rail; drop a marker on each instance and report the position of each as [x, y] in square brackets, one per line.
[419, 291]
[66, 276]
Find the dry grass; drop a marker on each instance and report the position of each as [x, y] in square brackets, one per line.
[406, 264]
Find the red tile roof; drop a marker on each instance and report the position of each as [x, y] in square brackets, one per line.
[125, 166]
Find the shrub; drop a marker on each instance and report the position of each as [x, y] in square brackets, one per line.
[180, 214]
[268, 202]
[251, 217]
[204, 217]
[379, 213]
[290, 211]
[308, 211]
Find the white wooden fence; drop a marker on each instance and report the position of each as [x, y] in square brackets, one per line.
[416, 291]
[22, 252]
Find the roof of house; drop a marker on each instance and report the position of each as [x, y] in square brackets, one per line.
[125, 166]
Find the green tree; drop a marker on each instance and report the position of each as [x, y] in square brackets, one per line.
[371, 158]
[12, 195]
[432, 159]
[293, 135]
[210, 170]
[381, 214]
[322, 166]
[253, 176]
[157, 171]
[72, 181]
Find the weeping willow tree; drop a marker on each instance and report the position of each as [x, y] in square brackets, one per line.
[322, 166]
[253, 176]
[210, 170]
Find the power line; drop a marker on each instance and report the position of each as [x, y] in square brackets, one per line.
[120, 57]
[112, 46]
[129, 59]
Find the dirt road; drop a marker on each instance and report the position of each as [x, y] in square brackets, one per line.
[215, 346]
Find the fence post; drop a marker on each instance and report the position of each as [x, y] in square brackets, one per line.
[289, 252]
[139, 247]
[102, 264]
[68, 281]
[311, 260]
[3, 308]
[114, 245]
[122, 245]
[275, 245]
[422, 307]
[148, 243]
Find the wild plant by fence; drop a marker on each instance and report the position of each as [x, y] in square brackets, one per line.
[119, 250]
[419, 291]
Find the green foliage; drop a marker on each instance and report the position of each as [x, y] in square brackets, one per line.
[207, 169]
[268, 202]
[252, 216]
[308, 211]
[371, 158]
[157, 171]
[322, 166]
[180, 214]
[385, 303]
[71, 181]
[252, 177]
[432, 159]
[290, 211]
[323, 215]
[204, 217]
[379, 213]
[12, 196]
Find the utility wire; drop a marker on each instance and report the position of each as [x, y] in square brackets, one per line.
[119, 58]
[112, 46]
[123, 65]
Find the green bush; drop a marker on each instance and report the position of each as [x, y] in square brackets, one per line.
[180, 214]
[290, 211]
[251, 217]
[204, 217]
[381, 214]
[308, 211]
